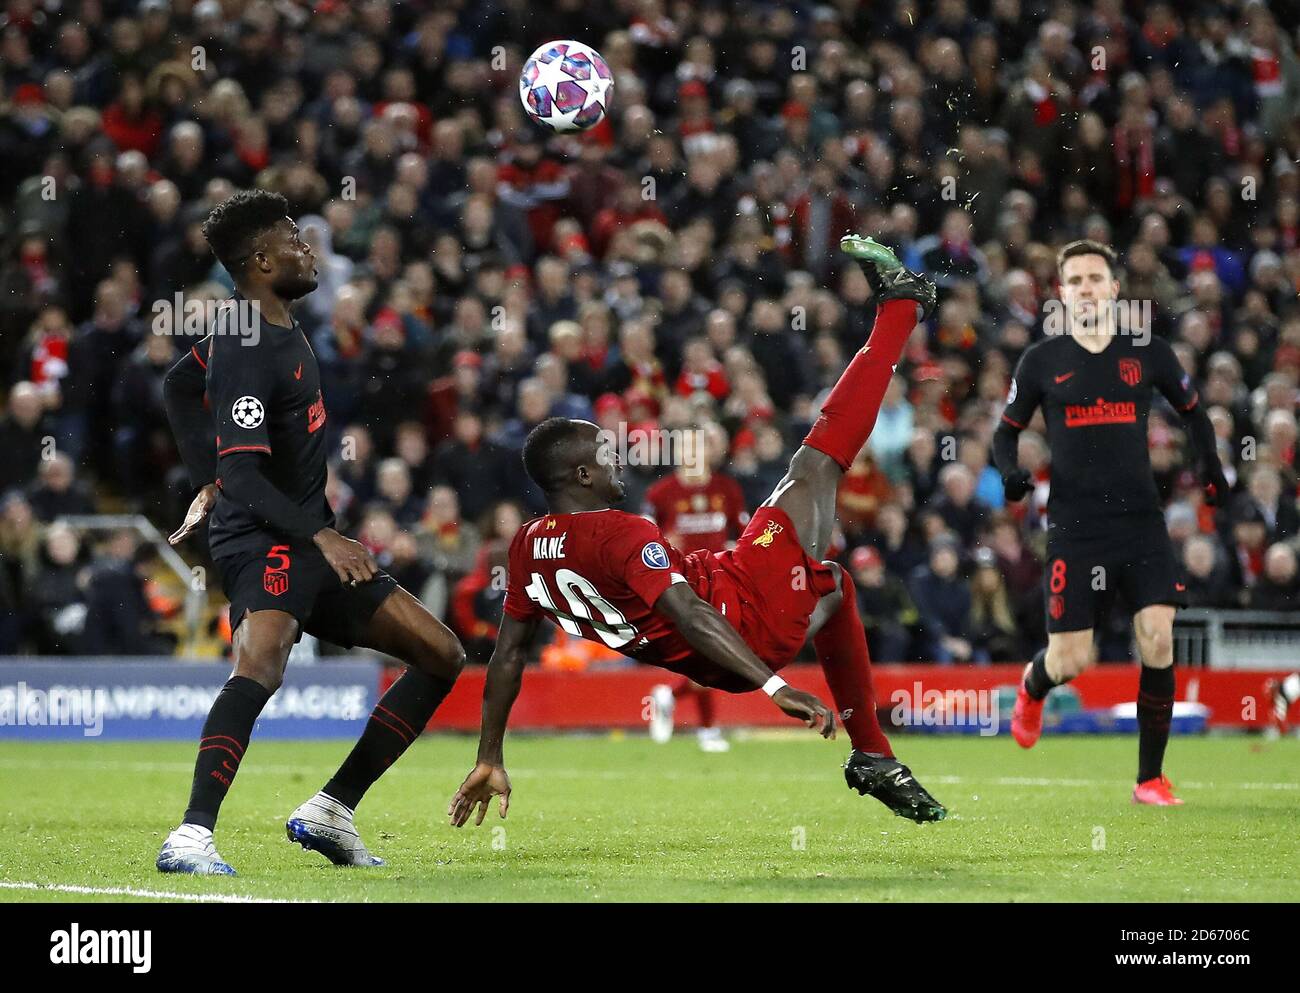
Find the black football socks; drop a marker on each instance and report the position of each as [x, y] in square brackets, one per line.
[1155, 711]
[221, 748]
[394, 724]
[1037, 682]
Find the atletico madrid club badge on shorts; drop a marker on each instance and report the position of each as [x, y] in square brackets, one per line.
[275, 580]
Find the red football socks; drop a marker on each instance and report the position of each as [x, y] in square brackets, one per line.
[849, 413]
[841, 647]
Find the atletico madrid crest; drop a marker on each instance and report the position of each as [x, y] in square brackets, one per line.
[1130, 370]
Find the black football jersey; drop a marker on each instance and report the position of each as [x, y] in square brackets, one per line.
[265, 396]
[1096, 407]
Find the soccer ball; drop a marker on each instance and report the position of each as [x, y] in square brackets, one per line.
[565, 86]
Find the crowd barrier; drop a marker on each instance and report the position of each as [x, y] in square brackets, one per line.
[115, 699]
[620, 698]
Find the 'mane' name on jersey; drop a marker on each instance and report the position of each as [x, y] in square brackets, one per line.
[598, 575]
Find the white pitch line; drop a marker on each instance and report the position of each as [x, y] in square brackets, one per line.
[142, 894]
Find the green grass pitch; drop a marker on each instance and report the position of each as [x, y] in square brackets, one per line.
[614, 817]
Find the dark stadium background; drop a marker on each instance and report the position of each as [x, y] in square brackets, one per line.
[475, 279]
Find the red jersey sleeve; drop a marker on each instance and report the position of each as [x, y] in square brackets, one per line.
[517, 604]
[638, 556]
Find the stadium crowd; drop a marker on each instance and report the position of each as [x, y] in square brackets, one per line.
[675, 267]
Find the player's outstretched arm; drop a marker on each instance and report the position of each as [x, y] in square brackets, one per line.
[708, 632]
[505, 674]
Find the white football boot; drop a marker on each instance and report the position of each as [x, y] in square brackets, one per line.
[190, 849]
[324, 825]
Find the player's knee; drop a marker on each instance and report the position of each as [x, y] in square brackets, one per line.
[264, 668]
[1157, 649]
[1074, 660]
[438, 653]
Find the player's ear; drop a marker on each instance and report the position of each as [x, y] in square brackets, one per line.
[584, 476]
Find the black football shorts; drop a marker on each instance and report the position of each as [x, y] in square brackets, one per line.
[297, 580]
[1081, 580]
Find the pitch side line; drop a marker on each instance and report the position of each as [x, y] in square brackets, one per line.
[142, 894]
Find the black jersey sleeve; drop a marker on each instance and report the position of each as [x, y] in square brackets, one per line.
[1026, 391]
[244, 480]
[1022, 400]
[184, 389]
[241, 387]
[1174, 384]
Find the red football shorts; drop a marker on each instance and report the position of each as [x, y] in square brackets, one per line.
[767, 588]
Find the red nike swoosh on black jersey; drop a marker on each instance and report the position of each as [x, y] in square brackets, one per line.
[297, 373]
[1063, 377]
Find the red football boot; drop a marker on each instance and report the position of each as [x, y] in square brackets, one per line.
[1027, 717]
[1158, 792]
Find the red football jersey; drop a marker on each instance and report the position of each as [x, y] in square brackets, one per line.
[597, 574]
[705, 516]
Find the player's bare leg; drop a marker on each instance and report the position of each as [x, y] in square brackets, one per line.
[403, 628]
[807, 492]
[1154, 627]
[1068, 653]
[260, 650]
[807, 496]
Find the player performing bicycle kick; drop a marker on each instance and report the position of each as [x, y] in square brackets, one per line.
[729, 620]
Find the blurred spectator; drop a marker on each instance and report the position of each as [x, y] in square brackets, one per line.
[119, 618]
[886, 609]
[1206, 581]
[990, 627]
[56, 602]
[474, 467]
[1278, 588]
[24, 431]
[944, 601]
[57, 491]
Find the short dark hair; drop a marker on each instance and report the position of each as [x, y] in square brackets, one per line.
[1086, 246]
[234, 224]
[545, 457]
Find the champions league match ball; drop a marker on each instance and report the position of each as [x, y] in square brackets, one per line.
[566, 86]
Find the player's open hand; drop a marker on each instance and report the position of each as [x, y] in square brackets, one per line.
[807, 708]
[481, 785]
[348, 558]
[197, 514]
